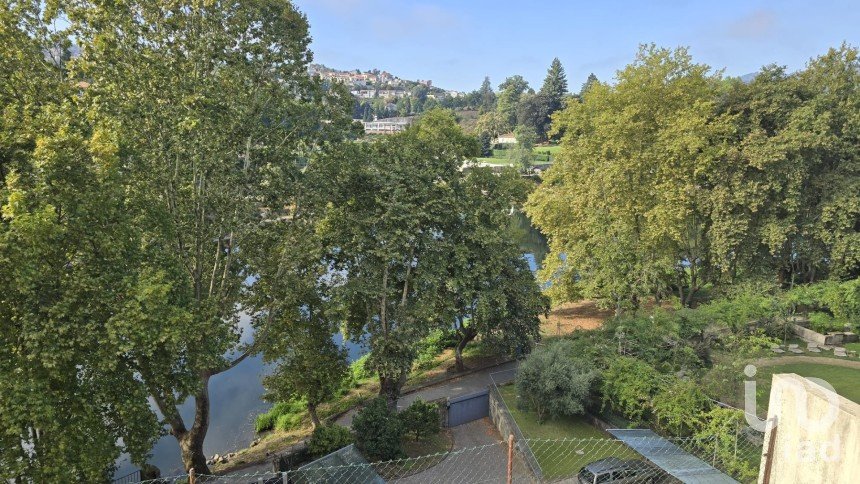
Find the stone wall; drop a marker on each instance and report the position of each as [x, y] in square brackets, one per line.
[815, 337]
[816, 436]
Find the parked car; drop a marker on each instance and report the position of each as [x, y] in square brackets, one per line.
[613, 470]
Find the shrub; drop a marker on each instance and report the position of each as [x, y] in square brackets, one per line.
[378, 431]
[421, 419]
[628, 385]
[553, 383]
[327, 439]
[721, 436]
[824, 323]
[679, 407]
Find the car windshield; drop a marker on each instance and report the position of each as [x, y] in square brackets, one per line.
[586, 475]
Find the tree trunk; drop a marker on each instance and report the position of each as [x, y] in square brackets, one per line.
[466, 336]
[191, 447]
[312, 411]
[191, 441]
[389, 387]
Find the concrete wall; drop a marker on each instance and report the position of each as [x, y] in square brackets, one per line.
[816, 438]
[815, 337]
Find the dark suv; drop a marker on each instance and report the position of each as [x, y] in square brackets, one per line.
[613, 470]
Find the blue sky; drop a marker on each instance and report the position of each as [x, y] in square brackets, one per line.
[456, 43]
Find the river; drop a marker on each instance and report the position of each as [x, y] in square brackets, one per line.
[236, 395]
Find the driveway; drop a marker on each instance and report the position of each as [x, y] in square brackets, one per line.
[474, 382]
[480, 455]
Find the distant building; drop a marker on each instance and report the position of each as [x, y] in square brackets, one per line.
[387, 125]
[506, 139]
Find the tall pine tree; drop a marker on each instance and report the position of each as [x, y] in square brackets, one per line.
[554, 86]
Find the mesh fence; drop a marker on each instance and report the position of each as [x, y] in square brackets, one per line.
[655, 460]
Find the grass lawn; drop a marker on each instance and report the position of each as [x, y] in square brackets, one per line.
[846, 381]
[564, 459]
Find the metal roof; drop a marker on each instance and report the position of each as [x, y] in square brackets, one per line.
[674, 460]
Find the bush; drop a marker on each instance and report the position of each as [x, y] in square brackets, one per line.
[327, 439]
[378, 431]
[553, 383]
[421, 419]
[679, 407]
[824, 323]
[628, 385]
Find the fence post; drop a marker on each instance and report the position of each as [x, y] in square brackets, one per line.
[510, 458]
[192, 479]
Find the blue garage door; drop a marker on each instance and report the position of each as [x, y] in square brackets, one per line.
[468, 407]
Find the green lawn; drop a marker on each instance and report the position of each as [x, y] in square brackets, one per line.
[564, 459]
[846, 381]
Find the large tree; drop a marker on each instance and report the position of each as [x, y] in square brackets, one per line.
[622, 205]
[382, 219]
[674, 178]
[489, 290]
[205, 114]
[510, 93]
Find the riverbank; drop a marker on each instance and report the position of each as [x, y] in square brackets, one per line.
[562, 320]
[276, 442]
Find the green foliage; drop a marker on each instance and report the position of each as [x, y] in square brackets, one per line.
[678, 406]
[329, 438]
[421, 419]
[553, 383]
[721, 436]
[359, 370]
[288, 421]
[672, 180]
[628, 386]
[824, 323]
[284, 415]
[378, 431]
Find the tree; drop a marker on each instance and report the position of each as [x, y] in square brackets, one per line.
[553, 383]
[510, 93]
[554, 86]
[486, 97]
[205, 116]
[421, 418]
[624, 201]
[381, 211]
[592, 79]
[312, 368]
[493, 123]
[523, 153]
[679, 407]
[66, 413]
[488, 288]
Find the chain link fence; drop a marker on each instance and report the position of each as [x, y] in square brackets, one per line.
[559, 460]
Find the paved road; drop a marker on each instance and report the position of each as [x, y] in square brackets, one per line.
[465, 385]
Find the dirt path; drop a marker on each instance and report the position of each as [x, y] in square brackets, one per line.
[816, 360]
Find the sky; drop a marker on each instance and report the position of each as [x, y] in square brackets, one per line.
[455, 43]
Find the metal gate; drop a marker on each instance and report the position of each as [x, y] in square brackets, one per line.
[468, 407]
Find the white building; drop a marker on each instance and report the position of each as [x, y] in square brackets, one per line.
[387, 125]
